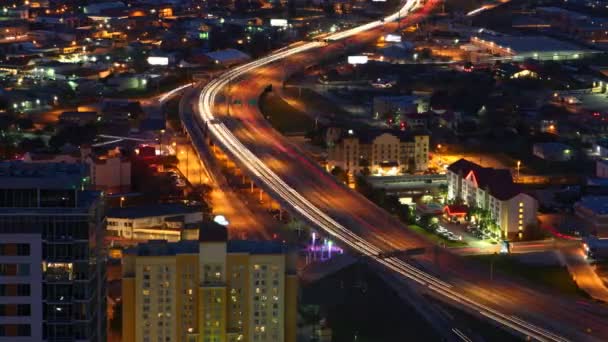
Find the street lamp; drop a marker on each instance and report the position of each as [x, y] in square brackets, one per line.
[518, 167]
[122, 200]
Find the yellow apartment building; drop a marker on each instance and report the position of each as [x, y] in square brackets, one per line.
[210, 290]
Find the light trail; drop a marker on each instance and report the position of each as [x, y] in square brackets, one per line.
[172, 92]
[267, 178]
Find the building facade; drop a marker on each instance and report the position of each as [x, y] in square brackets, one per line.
[209, 290]
[383, 152]
[492, 190]
[594, 211]
[163, 221]
[52, 283]
[110, 172]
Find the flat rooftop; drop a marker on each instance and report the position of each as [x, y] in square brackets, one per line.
[597, 204]
[167, 209]
[533, 44]
[164, 248]
[21, 175]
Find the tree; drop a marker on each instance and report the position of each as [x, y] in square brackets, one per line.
[426, 53]
[340, 174]
[364, 164]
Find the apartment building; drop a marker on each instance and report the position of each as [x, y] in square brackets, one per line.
[493, 190]
[384, 152]
[52, 275]
[209, 289]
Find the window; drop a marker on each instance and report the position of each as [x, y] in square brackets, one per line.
[15, 330]
[14, 290]
[15, 310]
[14, 269]
[15, 249]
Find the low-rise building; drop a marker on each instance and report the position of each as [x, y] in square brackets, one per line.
[552, 151]
[520, 48]
[601, 168]
[384, 152]
[110, 172]
[227, 57]
[594, 211]
[492, 190]
[383, 105]
[209, 289]
[170, 221]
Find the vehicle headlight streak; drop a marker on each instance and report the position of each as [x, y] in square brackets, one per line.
[310, 212]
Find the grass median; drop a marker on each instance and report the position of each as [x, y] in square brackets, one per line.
[283, 117]
[555, 277]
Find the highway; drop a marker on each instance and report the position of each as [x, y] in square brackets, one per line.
[313, 195]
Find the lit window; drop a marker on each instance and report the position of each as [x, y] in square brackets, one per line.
[521, 204]
[521, 228]
[521, 216]
[521, 222]
[146, 292]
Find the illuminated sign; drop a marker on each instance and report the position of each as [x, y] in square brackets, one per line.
[278, 22]
[158, 60]
[357, 59]
[393, 38]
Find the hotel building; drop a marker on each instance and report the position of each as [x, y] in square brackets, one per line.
[209, 290]
[492, 190]
[384, 152]
[52, 273]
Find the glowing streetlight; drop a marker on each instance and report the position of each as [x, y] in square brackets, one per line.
[518, 167]
[122, 200]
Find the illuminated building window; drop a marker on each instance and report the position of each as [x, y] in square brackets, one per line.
[521, 216]
[146, 292]
[521, 204]
[521, 222]
[520, 227]
[521, 210]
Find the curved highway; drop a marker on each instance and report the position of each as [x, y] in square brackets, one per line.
[309, 192]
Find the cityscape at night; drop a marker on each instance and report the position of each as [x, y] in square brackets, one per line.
[303, 170]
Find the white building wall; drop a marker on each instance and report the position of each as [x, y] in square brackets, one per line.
[34, 279]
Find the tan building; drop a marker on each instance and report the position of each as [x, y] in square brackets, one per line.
[110, 172]
[384, 152]
[209, 290]
[492, 190]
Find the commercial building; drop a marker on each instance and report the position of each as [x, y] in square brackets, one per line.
[492, 190]
[520, 48]
[209, 289]
[52, 284]
[384, 152]
[594, 211]
[168, 221]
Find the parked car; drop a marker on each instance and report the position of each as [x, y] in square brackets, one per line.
[453, 237]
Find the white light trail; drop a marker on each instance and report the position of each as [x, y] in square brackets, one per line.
[316, 216]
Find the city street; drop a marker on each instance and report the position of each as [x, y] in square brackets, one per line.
[300, 183]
